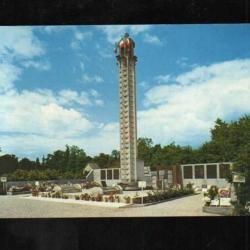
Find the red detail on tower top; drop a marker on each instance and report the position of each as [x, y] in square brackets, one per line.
[125, 43]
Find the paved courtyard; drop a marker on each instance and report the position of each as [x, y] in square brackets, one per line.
[20, 207]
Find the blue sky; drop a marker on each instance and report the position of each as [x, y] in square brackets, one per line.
[59, 84]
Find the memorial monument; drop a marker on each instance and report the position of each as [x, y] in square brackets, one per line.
[126, 61]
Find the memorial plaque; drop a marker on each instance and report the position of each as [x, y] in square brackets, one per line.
[225, 201]
[141, 184]
[3, 179]
[238, 178]
[215, 202]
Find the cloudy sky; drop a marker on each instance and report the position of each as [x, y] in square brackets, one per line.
[59, 84]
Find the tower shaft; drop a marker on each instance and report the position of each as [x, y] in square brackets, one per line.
[128, 125]
[128, 133]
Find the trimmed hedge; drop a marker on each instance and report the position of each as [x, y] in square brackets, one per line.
[161, 196]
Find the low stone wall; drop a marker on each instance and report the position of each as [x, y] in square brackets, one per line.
[22, 183]
[18, 192]
[218, 210]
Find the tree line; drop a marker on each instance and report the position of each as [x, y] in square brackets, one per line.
[61, 164]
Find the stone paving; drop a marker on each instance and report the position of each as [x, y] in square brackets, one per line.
[19, 207]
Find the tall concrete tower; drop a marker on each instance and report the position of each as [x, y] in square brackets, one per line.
[128, 128]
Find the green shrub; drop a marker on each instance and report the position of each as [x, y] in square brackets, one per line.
[35, 192]
[85, 197]
[57, 194]
[117, 198]
[127, 199]
[98, 197]
[111, 198]
[65, 196]
[189, 186]
[213, 192]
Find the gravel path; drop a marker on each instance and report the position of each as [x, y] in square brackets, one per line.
[19, 207]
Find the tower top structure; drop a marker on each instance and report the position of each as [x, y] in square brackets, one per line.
[125, 46]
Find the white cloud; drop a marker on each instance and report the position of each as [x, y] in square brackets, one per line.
[40, 65]
[152, 39]
[39, 112]
[19, 42]
[185, 111]
[82, 66]
[54, 28]
[144, 84]
[33, 145]
[182, 62]
[99, 102]
[8, 74]
[35, 121]
[68, 96]
[162, 78]
[89, 79]
[94, 93]
[115, 32]
[79, 38]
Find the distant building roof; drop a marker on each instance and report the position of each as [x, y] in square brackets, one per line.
[92, 165]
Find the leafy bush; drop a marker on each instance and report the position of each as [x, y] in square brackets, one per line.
[117, 198]
[85, 197]
[240, 210]
[98, 197]
[213, 192]
[65, 196]
[58, 194]
[189, 186]
[35, 192]
[27, 187]
[137, 200]
[77, 197]
[111, 198]
[127, 199]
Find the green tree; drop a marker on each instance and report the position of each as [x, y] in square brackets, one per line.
[242, 165]
[8, 163]
[144, 149]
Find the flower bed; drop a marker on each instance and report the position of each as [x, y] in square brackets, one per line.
[134, 198]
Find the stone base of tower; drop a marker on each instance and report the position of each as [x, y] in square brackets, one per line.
[139, 173]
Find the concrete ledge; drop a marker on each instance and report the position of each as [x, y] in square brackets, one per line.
[18, 192]
[218, 210]
[81, 202]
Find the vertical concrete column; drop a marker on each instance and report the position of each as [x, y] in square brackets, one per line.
[106, 174]
[205, 171]
[193, 172]
[218, 170]
[182, 173]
